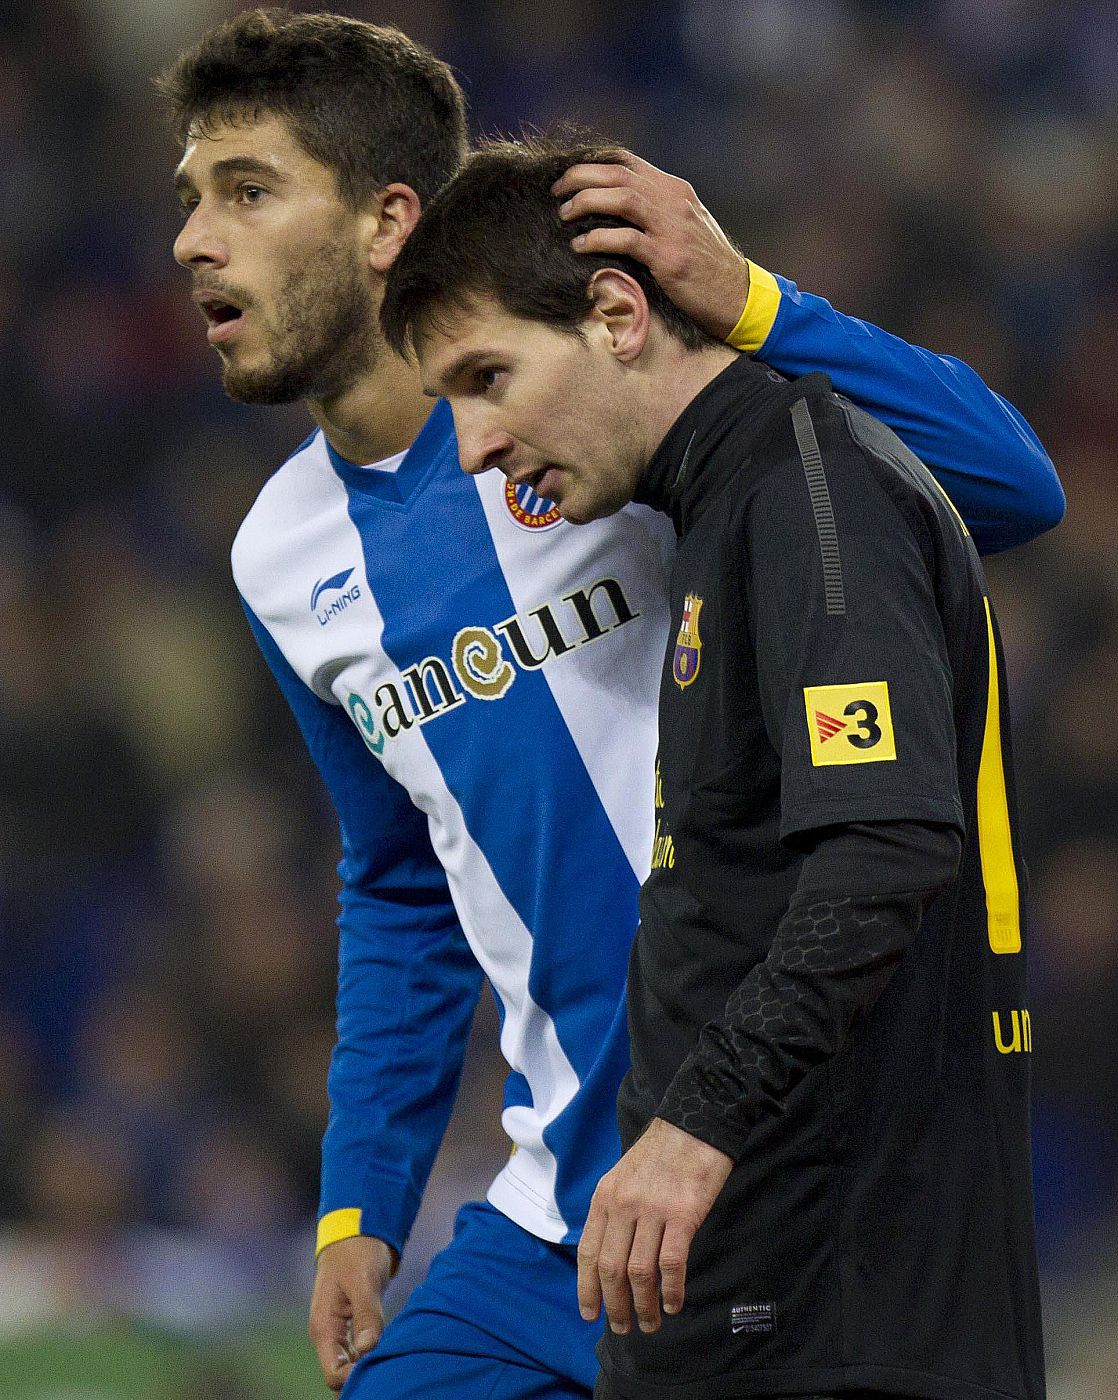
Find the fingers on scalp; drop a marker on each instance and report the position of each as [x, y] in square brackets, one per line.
[612, 240]
[592, 177]
[616, 202]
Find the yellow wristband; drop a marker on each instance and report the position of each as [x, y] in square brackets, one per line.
[761, 306]
[337, 1225]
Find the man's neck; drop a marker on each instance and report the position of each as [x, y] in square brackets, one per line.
[378, 416]
[678, 377]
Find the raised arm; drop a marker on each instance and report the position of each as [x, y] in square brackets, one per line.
[980, 449]
[407, 988]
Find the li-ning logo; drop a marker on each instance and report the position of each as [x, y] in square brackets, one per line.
[340, 603]
[754, 1318]
[531, 512]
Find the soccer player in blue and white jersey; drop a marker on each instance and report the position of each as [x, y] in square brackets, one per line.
[421, 623]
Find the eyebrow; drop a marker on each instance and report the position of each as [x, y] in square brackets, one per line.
[231, 165]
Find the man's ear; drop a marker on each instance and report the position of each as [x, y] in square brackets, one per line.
[391, 218]
[619, 306]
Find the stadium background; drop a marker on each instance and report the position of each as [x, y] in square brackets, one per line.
[166, 856]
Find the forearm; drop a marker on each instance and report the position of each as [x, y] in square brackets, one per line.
[839, 942]
[980, 449]
[406, 997]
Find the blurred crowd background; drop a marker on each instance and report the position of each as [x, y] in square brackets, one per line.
[946, 168]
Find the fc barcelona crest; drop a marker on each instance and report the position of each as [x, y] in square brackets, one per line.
[688, 644]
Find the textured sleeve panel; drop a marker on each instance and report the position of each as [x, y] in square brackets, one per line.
[830, 960]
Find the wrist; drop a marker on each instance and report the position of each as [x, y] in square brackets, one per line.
[338, 1225]
[762, 302]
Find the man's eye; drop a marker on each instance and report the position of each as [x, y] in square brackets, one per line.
[187, 207]
[251, 194]
[489, 378]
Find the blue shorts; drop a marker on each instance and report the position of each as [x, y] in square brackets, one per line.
[496, 1318]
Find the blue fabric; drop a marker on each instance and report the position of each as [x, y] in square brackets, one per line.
[977, 446]
[495, 1319]
[407, 986]
[549, 880]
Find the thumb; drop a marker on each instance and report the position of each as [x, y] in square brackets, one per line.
[368, 1324]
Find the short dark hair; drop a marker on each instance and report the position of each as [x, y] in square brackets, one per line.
[495, 230]
[362, 99]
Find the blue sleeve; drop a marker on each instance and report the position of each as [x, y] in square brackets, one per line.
[407, 980]
[980, 449]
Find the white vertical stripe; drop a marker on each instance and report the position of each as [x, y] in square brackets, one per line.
[299, 526]
[607, 691]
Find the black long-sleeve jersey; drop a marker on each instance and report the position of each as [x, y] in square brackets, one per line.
[836, 669]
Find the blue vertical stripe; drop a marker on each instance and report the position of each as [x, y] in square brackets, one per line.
[525, 794]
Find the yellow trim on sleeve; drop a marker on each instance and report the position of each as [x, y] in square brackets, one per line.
[761, 306]
[995, 839]
[337, 1225]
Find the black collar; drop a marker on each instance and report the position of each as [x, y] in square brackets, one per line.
[734, 412]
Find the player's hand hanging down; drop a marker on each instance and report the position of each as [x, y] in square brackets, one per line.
[347, 1312]
[642, 1220]
[670, 232]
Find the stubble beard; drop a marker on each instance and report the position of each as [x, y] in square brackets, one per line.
[326, 337]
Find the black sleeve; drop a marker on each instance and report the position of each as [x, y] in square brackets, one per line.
[853, 672]
[856, 909]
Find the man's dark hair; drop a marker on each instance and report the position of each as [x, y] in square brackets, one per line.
[495, 230]
[362, 99]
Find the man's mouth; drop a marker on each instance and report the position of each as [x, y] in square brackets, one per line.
[546, 482]
[221, 315]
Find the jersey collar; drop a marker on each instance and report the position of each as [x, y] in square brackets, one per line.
[398, 486]
[724, 422]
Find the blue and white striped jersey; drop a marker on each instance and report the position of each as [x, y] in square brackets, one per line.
[476, 681]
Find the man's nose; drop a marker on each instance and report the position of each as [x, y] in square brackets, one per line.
[199, 242]
[481, 446]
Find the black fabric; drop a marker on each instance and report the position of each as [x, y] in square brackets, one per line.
[832, 955]
[604, 1391]
[784, 987]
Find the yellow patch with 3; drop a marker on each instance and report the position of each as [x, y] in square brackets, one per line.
[850, 723]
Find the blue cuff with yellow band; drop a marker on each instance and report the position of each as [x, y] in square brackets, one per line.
[337, 1225]
[761, 306]
[345, 1225]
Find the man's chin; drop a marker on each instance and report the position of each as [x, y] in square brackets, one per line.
[573, 514]
[259, 387]
[576, 512]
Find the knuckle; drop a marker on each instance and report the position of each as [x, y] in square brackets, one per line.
[610, 1270]
[640, 1272]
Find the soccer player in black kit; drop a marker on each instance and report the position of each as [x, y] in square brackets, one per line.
[826, 1181]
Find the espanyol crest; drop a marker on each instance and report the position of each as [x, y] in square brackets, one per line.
[688, 644]
[531, 512]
